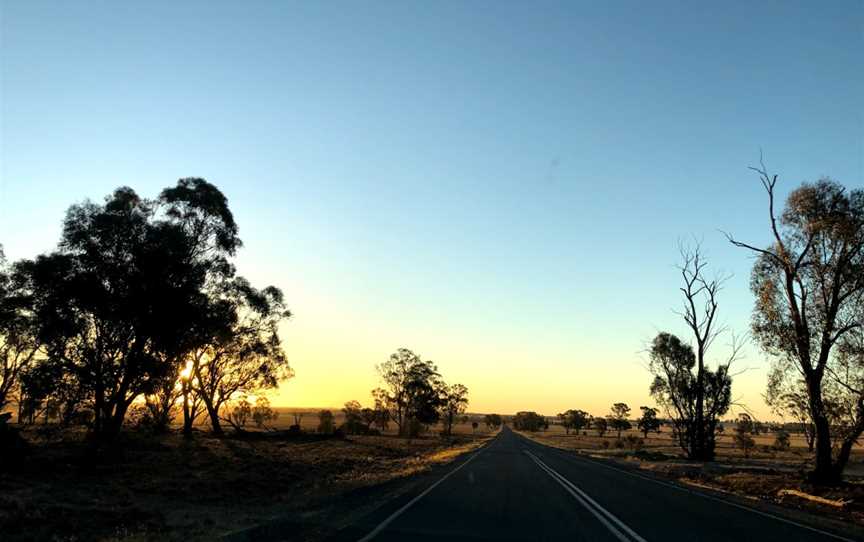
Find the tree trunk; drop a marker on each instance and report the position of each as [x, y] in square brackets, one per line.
[699, 442]
[187, 414]
[824, 472]
[213, 412]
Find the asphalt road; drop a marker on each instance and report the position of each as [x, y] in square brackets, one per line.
[516, 489]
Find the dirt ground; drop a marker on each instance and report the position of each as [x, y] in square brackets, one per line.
[772, 476]
[170, 488]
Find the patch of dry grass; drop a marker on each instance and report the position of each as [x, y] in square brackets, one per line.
[170, 488]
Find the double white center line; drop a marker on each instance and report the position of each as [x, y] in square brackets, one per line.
[617, 527]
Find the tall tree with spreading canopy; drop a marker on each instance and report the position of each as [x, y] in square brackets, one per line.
[455, 402]
[411, 391]
[19, 344]
[618, 418]
[111, 299]
[246, 356]
[809, 282]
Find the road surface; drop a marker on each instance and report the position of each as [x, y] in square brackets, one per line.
[517, 489]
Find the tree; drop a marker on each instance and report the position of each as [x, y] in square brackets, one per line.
[354, 423]
[492, 421]
[455, 401]
[648, 422]
[411, 391]
[161, 402]
[19, 343]
[380, 413]
[675, 386]
[240, 412]
[618, 418]
[263, 413]
[781, 440]
[808, 285]
[325, 422]
[113, 300]
[743, 434]
[474, 426]
[574, 419]
[600, 425]
[700, 314]
[246, 356]
[528, 421]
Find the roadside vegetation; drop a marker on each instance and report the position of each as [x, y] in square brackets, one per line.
[808, 318]
[134, 370]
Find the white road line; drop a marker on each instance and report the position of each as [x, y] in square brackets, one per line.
[383, 525]
[713, 498]
[615, 527]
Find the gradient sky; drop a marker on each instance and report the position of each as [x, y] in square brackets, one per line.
[499, 186]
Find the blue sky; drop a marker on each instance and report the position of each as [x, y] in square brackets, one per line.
[499, 185]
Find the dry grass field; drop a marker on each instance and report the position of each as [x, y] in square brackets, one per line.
[170, 488]
[766, 474]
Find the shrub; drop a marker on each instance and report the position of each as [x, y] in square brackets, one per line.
[781, 440]
[325, 422]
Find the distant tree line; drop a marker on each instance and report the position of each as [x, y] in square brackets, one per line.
[140, 307]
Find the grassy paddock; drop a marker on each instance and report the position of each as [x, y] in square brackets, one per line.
[166, 487]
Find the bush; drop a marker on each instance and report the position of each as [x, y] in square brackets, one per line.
[634, 442]
[605, 444]
[141, 418]
[745, 442]
[781, 441]
[325, 422]
[619, 443]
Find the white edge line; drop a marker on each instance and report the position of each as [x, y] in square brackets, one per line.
[383, 525]
[711, 497]
[584, 499]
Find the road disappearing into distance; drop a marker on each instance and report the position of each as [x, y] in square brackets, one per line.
[516, 489]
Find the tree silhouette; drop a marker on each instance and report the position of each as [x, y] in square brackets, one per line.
[809, 284]
[674, 388]
[18, 333]
[411, 392]
[648, 422]
[455, 401]
[618, 419]
[111, 299]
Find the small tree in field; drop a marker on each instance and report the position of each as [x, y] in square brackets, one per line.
[454, 401]
[601, 426]
[648, 422]
[618, 419]
[474, 426]
[325, 422]
[492, 421]
[263, 413]
[574, 419]
[240, 413]
[411, 391]
[743, 434]
[781, 440]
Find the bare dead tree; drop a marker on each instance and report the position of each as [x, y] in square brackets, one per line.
[700, 313]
